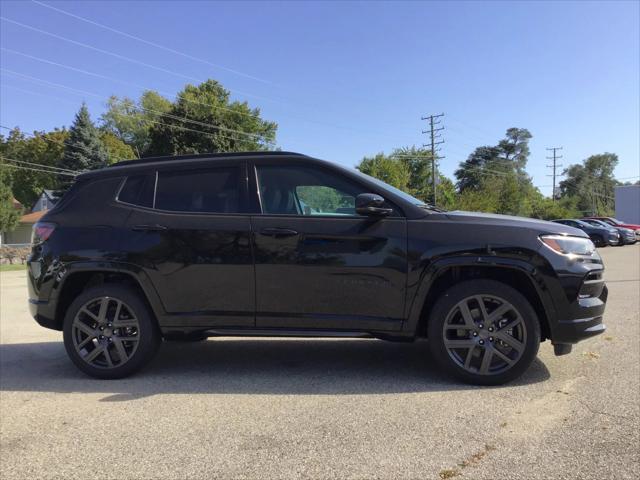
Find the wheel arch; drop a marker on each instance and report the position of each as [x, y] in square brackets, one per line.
[79, 277]
[519, 276]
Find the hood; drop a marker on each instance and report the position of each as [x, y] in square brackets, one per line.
[543, 226]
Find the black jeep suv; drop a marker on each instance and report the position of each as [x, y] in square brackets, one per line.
[283, 244]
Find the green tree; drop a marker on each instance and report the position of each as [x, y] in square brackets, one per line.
[203, 119]
[510, 155]
[42, 150]
[131, 121]
[116, 149]
[83, 150]
[592, 184]
[389, 170]
[9, 216]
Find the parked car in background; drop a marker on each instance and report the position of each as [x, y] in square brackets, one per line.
[618, 223]
[627, 236]
[278, 243]
[601, 236]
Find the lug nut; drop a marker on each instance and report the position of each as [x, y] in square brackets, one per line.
[475, 334]
[491, 329]
[481, 342]
[481, 326]
[491, 339]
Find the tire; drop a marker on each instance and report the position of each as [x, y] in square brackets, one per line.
[461, 348]
[104, 346]
[598, 241]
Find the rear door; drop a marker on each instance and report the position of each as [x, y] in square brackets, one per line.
[193, 241]
[318, 264]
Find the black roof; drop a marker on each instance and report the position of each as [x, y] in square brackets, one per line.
[144, 160]
[141, 162]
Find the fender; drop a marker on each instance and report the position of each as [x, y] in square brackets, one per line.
[431, 272]
[132, 270]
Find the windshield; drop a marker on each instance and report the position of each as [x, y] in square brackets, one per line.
[404, 195]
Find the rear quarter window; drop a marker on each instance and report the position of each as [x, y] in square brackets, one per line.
[138, 190]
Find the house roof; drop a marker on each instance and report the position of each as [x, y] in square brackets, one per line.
[32, 217]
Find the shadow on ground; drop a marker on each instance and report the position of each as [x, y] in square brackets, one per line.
[245, 366]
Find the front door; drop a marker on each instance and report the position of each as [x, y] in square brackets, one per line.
[318, 264]
[194, 244]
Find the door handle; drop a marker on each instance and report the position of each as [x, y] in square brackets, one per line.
[278, 232]
[149, 228]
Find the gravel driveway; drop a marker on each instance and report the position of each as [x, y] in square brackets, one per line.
[283, 408]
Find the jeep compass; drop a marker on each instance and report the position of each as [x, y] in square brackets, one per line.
[278, 243]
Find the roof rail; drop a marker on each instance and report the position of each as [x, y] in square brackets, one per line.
[144, 160]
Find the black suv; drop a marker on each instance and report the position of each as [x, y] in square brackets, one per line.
[278, 243]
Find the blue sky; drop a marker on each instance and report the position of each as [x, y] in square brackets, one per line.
[344, 80]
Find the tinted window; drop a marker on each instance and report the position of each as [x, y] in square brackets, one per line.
[300, 190]
[138, 190]
[208, 191]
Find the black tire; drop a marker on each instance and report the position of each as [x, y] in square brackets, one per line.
[598, 241]
[519, 351]
[132, 327]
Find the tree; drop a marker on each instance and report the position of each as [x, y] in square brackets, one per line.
[203, 119]
[9, 216]
[592, 184]
[510, 155]
[389, 170]
[116, 149]
[83, 150]
[131, 121]
[42, 150]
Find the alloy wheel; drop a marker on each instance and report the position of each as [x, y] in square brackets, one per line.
[105, 332]
[484, 334]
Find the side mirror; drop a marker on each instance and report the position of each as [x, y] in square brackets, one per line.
[371, 205]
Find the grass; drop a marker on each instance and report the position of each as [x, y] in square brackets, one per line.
[7, 267]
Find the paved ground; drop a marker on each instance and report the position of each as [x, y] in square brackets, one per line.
[238, 408]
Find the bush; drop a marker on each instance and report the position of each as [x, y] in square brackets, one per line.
[11, 254]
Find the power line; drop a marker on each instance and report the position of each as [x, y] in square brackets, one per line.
[20, 167]
[554, 168]
[44, 137]
[168, 94]
[433, 146]
[120, 57]
[153, 44]
[93, 94]
[43, 166]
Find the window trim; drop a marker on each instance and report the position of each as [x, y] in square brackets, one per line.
[398, 213]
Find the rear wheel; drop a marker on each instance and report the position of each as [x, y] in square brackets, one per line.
[483, 332]
[109, 332]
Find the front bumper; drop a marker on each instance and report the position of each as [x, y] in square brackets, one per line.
[585, 317]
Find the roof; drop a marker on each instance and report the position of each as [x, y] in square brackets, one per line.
[125, 165]
[33, 217]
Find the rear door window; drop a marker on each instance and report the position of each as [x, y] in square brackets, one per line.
[215, 190]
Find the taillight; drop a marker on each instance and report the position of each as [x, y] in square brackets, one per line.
[41, 232]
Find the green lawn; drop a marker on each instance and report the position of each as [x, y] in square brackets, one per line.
[9, 268]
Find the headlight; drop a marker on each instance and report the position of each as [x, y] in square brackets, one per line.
[568, 245]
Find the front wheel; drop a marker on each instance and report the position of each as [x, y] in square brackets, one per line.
[109, 332]
[483, 332]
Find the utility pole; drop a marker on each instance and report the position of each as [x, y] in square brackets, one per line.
[433, 146]
[554, 168]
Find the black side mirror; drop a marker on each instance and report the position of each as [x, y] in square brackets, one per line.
[372, 205]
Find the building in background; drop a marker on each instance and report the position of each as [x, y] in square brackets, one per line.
[46, 201]
[628, 203]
